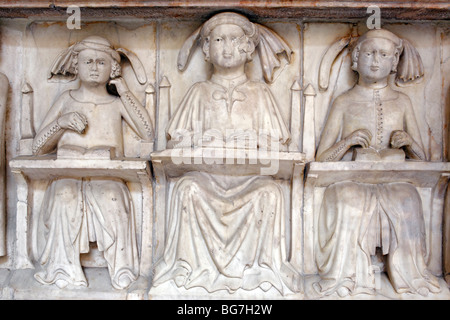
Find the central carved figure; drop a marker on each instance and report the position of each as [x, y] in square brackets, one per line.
[227, 232]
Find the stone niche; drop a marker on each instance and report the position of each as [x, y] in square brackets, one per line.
[144, 216]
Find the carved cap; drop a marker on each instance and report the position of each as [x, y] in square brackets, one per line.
[410, 66]
[381, 33]
[97, 43]
[250, 30]
[267, 42]
[64, 63]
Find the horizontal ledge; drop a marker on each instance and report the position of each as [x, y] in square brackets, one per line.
[47, 168]
[380, 166]
[337, 10]
[171, 155]
[420, 174]
[233, 162]
[225, 3]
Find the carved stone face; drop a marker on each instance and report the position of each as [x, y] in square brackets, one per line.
[226, 46]
[94, 67]
[376, 59]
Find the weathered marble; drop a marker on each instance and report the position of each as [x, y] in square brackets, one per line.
[233, 226]
[293, 91]
[86, 124]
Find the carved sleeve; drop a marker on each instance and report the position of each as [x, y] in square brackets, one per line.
[47, 138]
[334, 153]
[331, 148]
[136, 116]
[415, 150]
[50, 132]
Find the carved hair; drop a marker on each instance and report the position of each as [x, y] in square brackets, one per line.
[249, 28]
[266, 41]
[66, 64]
[116, 69]
[355, 55]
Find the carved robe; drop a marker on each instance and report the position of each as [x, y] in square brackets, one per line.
[356, 218]
[229, 105]
[227, 232]
[78, 211]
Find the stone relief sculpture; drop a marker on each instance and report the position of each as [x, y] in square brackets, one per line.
[4, 86]
[372, 121]
[86, 123]
[226, 232]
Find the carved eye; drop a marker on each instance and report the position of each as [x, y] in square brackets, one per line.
[218, 39]
[238, 40]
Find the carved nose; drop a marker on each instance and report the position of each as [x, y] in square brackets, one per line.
[376, 59]
[227, 48]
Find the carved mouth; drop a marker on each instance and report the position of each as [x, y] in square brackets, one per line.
[374, 68]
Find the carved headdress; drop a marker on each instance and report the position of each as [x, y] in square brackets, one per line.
[266, 41]
[409, 69]
[410, 66]
[66, 63]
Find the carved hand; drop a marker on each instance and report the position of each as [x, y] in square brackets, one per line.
[400, 138]
[73, 121]
[120, 84]
[360, 137]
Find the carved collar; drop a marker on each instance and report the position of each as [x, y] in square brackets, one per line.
[361, 93]
[229, 93]
[229, 84]
[113, 99]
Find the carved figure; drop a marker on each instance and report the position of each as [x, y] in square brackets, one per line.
[373, 122]
[85, 123]
[227, 232]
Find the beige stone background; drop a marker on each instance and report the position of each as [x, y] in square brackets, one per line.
[29, 45]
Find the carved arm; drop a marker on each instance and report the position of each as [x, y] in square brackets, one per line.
[135, 113]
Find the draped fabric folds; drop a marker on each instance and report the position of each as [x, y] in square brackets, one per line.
[226, 235]
[357, 218]
[78, 211]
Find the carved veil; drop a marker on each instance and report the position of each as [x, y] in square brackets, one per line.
[267, 42]
[409, 69]
[65, 63]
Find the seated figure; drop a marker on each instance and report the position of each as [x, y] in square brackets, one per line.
[78, 211]
[372, 121]
[227, 232]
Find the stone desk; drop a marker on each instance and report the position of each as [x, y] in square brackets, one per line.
[430, 179]
[285, 167]
[28, 169]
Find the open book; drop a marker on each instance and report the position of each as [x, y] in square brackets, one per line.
[371, 154]
[77, 152]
